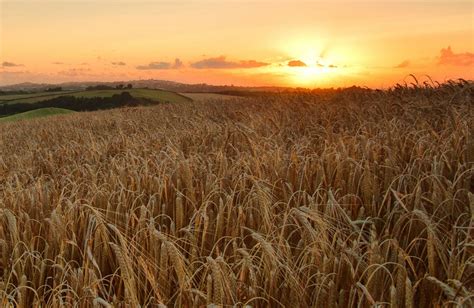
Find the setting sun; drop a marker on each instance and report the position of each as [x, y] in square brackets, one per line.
[312, 70]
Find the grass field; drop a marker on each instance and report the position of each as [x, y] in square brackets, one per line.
[4, 98]
[152, 94]
[38, 113]
[347, 199]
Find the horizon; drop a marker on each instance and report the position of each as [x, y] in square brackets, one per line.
[257, 44]
[408, 80]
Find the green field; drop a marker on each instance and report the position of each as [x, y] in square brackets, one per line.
[37, 113]
[33, 95]
[151, 94]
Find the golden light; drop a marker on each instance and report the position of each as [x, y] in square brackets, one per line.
[319, 68]
[328, 62]
[317, 71]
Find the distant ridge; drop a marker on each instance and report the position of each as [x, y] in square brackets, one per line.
[148, 83]
[175, 86]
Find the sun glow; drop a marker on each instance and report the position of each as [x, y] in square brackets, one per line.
[310, 63]
[315, 71]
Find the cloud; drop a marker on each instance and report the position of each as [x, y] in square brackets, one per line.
[14, 77]
[448, 57]
[155, 66]
[403, 64]
[58, 63]
[162, 65]
[119, 63]
[222, 63]
[177, 63]
[73, 72]
[12, 73]
[296, 63]
[10, 64]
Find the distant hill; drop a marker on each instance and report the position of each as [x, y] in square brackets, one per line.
[184, 87]
[85, 100]
[151, 94]
[149, 83]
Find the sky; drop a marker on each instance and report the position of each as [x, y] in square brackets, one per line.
[253, 43]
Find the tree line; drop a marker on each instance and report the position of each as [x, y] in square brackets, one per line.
[106, 87]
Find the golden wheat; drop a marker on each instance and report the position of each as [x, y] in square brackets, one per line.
[339, 198]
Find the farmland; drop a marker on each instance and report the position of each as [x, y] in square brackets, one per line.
[30, 97]
[209, 96]
[37, 113]
[24, 106]
[151, 94]
[347, 198]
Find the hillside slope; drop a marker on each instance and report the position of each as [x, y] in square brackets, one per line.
[151, 94]
[37, 113]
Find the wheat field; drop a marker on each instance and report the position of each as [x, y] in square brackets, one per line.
[341, 198]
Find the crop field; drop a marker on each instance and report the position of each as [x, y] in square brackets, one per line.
[338, 199]
[151, 94]
[209, 96]
[14, 97]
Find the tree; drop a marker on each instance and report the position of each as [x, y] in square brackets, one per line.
[129, 86]
[57, 89]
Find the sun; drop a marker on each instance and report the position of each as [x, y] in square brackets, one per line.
[309, 66]
[311, 63]
[315, 71]
[305, 75]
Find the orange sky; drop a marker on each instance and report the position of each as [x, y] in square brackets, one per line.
[279, 42]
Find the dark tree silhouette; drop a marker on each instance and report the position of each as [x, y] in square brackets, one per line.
[56, 89]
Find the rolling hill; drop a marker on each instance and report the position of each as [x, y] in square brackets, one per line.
[37, 113]
[151, 94]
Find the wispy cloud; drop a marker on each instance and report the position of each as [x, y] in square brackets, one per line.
[10, 64]
[448, 57]
[58, 63]
[222, 63]
[403, 64]
[12, 73]
[296, 63]
[119, 63]
[74, 72]
[162, 65]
